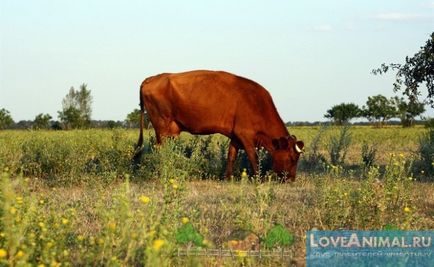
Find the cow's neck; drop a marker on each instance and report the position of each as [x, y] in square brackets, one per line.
[264, 139]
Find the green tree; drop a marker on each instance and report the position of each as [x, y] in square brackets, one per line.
[6, 120]
[343, 113]
[416, 71]
[76, 108]
[407, 111]
[379, 109]
[133, 119]
[42, 121]
[70, 118]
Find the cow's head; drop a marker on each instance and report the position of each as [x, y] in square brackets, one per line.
[285, 156]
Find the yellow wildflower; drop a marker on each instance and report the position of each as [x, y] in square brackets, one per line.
[41, 224]
[244, 174]
[111, 226]
[407, 209]
[41, 265]
[175, 186]
[3, 253]
[185, 220]
[144, 199]
[157, 244]
[241, 253]
[65, 221]
[20, 254]
[13, 210]
[41, 201]
[19, 200]
[80, 238]
[171, 181]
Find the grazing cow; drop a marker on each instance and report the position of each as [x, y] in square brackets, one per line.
[208, 102]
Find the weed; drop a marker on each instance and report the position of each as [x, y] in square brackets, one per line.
[338, 146]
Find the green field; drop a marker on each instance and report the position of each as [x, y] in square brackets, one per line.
[76, 198]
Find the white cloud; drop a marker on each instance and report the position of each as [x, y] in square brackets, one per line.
[429, 5]
[396, 16]
[323, 28]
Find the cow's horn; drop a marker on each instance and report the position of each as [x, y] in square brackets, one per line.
[298, 149]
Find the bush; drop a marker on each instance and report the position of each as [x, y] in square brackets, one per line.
[379, 202]
[429, 123]
[368, 155]
[338, 146]
[426, 152]
[314, 160]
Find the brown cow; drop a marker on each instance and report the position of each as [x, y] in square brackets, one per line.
[208, 102]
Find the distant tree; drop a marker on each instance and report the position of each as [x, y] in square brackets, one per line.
[416, 71]
[42, 121]
[6, 120]
[379, 109]
[55, 125]
[71, 118]
[111, 124]
[407, 111]
[343, 113]
[76, 108]
[133, 119]
[23, 124]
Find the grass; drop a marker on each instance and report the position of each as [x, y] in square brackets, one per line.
[72, 198]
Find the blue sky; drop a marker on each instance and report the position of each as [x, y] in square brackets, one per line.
[310, 55]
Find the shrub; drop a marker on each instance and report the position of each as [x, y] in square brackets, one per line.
[380, 201]
[314, 160]
[368, 155]
[426, 152]
[278, 236]
[338, 146]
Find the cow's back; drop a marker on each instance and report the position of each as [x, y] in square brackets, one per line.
[206, 102]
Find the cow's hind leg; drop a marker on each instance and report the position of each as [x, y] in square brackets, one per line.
[169, 129]
[232, 155]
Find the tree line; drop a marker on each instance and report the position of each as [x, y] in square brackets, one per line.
[76, 113]
[378, 110]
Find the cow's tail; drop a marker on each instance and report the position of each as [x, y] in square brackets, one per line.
[138, 151]
[142, 114]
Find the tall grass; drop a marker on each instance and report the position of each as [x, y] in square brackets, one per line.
[75, 198]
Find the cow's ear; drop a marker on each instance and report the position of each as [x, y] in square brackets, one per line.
[275, 143]
[283, 143]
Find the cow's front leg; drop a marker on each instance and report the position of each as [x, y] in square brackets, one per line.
[232, 156]
[253, 158]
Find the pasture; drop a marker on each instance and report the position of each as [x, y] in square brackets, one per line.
[76, 198]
